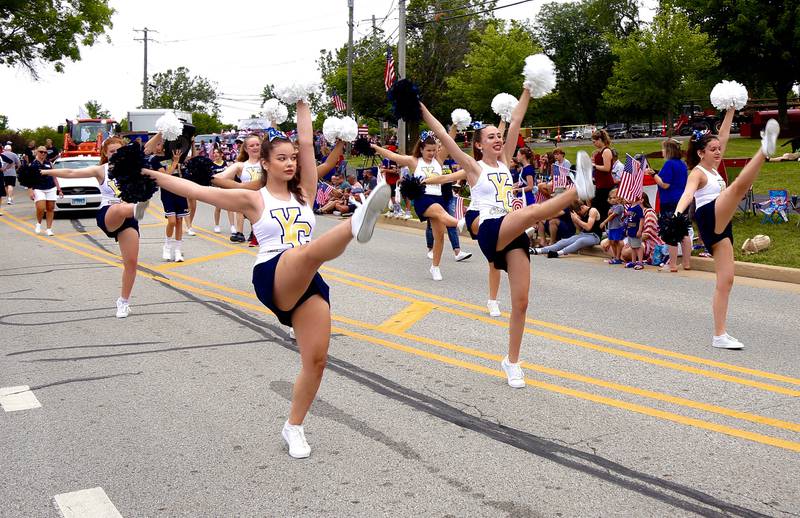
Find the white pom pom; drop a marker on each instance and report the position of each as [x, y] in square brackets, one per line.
[169, 126]
[461, 119]
[540, 75]
[503, 104]
[348, 130]
[275, 111]
[292, 92]
[331, 129]
[729, 94]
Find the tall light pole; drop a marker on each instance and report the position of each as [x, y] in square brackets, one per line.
[144, 77]
[401, 69]
[350, 60]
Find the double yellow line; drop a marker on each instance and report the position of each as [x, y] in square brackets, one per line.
[398, 328]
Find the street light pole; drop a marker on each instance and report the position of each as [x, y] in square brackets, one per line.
[401, 69]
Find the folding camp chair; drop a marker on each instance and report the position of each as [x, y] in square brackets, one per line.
[777, 205]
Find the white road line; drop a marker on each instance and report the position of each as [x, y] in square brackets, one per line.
[18, 398]
[86, 503]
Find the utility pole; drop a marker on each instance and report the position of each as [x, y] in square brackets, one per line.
[350, 60]
[144, 77]
[401, 70]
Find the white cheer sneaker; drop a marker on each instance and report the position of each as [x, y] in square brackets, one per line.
[366, 214]
[296, 440]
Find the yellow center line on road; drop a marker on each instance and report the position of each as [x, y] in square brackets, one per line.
[641, 409]
[399, 292]
[197, 260]
[407, 317]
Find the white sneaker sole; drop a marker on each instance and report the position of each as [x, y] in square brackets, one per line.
[583, 176]
[303, 455]
[372, 209]
[769, 139]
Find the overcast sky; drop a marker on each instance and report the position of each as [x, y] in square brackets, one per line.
[239, 48]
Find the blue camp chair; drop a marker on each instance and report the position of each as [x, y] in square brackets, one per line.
[777, 205]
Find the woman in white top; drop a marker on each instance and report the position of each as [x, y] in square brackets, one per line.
[716, 204]
[501, 233]
[424, 164]
[285, 275]
[116, 218]
[246, 168]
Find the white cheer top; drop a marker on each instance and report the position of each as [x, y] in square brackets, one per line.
[493, 193]
[283, 225]
[109, 192]
[427, 170]
[715, 184]
[250, 171]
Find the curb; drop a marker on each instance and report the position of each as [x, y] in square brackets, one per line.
[765, 272]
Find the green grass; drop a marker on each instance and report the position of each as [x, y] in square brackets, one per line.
[784, 249]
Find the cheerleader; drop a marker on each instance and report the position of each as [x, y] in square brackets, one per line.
[716, 204]
[501, 233]
[285, 276]
[218, 167]
[45, 192]
[115, 218]
[246, 168]
[424, 164]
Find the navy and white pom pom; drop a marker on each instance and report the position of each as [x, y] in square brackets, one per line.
[125, 168]
[673, 229]
[404, 96]
[729, 94]
[540, 75]
[199, 170]
[363, 147]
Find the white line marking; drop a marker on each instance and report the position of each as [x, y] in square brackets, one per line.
[86, 503]
[18, 398]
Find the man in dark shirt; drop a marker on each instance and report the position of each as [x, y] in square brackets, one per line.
[52, 151]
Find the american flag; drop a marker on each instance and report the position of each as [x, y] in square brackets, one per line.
[539, 197]
[460, 209]
[631, 184]
[560, 177]
[323, 193]
[388, 75]
[338, 103]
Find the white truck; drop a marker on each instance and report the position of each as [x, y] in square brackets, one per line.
[140, 121]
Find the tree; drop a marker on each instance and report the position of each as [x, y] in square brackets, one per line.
[38, 32]
[96, 110]
[3, 122]
[756, 41]
[492, 65]
[659, 66]
[205, 123]
[578, 37]
[176, 90]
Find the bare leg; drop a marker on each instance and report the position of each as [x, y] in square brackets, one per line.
[170, 226]
[192, 210]
[297, 266]
[686, 246]
[438, 241]
[129, 247]
[217, 212]
[231, 217]
[494, 282]
[436, 212]
[553, 225]
[517, 221]
[117, 214]
[50, 208]
[519, 280]
[39, 210]
[728, 201]
[311, 322]
[723, 264]
[178, 229]
[240, 222]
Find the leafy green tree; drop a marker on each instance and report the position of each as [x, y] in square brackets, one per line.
[175, 89]
[3, 122]
[578, 37]
[492, 65]
[35, 33]
[206, 123]
[659, 66]
[123, 124]
[757, 42]
[96, 110]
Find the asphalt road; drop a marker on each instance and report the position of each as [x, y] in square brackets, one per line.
[177, 410]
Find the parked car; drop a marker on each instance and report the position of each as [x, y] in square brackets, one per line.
[572, 135]
[79, 193]
[616, 130]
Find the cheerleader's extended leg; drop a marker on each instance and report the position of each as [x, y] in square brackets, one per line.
[515, 223]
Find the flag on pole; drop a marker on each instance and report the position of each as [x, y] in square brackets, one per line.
[560, 177]
[338, 104]
[631, 184]
[388, 74]
[323, 193]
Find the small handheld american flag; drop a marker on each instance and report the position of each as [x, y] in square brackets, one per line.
[631, 183]
[560, 177]
[323, 193]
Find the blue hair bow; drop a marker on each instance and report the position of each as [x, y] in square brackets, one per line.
[477, 125]
[273, 133]
[425, 135]
[698, 134]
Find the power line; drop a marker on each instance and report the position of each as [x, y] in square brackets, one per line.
[425, 22]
